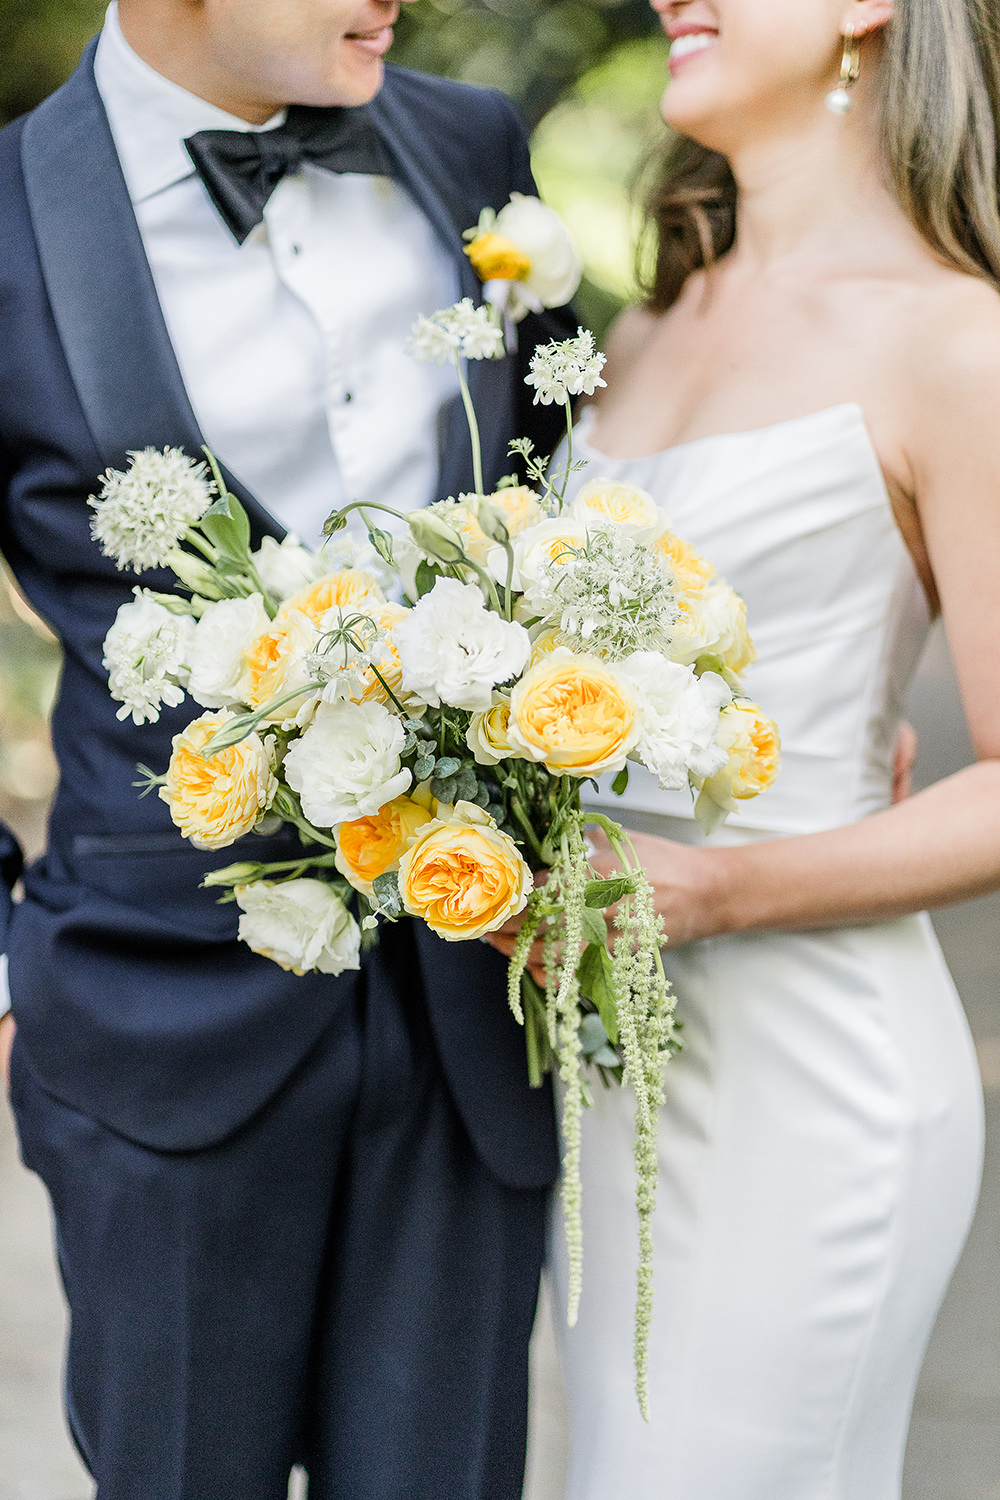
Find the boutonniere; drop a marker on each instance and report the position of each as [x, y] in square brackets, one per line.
[524, 257]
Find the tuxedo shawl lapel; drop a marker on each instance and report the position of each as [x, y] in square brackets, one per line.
[100, 286]
[450, 212]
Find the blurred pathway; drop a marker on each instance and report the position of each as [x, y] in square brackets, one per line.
[954, 1451]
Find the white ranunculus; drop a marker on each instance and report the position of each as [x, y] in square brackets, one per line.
[300, 924]
[346, 765]
[453, 650]
[221, 636]
[285, 567]
[679, 718]
[146, 654]
[541, 235]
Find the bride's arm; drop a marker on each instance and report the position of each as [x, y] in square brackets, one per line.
[942, 845]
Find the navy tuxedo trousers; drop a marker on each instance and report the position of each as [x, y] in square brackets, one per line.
[341, 1283]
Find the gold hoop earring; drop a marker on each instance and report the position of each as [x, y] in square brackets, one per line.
[839, 101]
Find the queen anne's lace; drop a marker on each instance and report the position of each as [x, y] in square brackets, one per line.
[558, 372]
[144, 511]
[463, 330]
[612, 595]
[146, 654]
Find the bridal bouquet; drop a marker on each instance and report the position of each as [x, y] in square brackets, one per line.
[432, 752]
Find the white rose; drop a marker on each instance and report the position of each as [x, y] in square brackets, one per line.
[542, 236]
[221, 636]
[285, 567]
[300, 924]
[537, 552]
[346, 764]
[679, 718]
[453, 650]
[146, 654]
[713, 623]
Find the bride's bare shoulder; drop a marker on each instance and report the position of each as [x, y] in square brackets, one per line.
[952, 342]
[627, 338]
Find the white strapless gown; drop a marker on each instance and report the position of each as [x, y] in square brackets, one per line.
[821, 1141]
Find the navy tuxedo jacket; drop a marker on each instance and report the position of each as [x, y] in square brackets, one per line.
[134, 1000]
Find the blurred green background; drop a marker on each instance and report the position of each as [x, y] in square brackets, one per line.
[587, 75]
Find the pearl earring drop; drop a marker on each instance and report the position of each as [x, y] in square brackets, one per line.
[839, 101]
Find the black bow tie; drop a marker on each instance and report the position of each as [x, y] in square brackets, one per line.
[242, 168]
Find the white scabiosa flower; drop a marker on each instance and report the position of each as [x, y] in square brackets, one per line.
[679, 718]
[143, 512]
[300, 924]
[559, 372]
[346, 765]
[453, 650]
[221, 636]
[146, 655]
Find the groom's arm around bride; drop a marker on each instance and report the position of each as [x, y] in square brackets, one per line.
[300, 1219]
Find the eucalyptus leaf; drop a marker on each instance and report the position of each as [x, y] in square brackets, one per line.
[448, 765]
[386, 891]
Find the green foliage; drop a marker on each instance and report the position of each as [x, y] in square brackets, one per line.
[40, 41]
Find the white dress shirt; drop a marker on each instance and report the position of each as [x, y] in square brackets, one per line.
[292, 345]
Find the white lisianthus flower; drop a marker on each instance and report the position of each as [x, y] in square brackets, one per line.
[146, 654]
[453, 650]
[679, 717]
[221, 637]
[300, 924]
[346, 765]
[285, 567]
[143, 512]
[526, 257]
[561, 371]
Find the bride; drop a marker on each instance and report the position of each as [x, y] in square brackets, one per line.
[813, 393]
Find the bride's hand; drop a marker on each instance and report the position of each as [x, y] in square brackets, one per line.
[505, 937]
[687, 883]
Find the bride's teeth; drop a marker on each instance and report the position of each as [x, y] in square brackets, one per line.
[684, 46]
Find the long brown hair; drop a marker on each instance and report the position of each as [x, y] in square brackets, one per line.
[939, 141]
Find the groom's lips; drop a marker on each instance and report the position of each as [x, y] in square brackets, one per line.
[376, 42]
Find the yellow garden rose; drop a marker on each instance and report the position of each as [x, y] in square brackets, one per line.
[692, 571]
[368, 847]
[273, 663]
[754, 747]
[495, 258]
[390, 669]
[548, 639]
[350, 590]
[573, 713]
[603, 500]
[216, 800]
[519, 506]
[463, 876]
[487, 734]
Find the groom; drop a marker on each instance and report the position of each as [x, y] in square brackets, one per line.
[299, 1220]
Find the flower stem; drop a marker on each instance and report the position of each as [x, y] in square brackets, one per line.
[470, 412]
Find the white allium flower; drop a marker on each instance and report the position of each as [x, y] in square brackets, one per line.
[144, 511]
[221, 636]
[146, 654]
[561, 371]
[346, 765]
[285, 567]
[680, 718]
[300, 924]
[464, 329]
[453, 650]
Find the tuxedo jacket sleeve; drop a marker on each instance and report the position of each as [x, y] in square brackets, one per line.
[135, 1002]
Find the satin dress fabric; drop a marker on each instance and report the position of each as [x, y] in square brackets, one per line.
[821, 1140]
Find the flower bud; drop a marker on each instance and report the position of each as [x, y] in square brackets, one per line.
[493, 521]
[435, 538]
[194, 574]
[241, 874]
